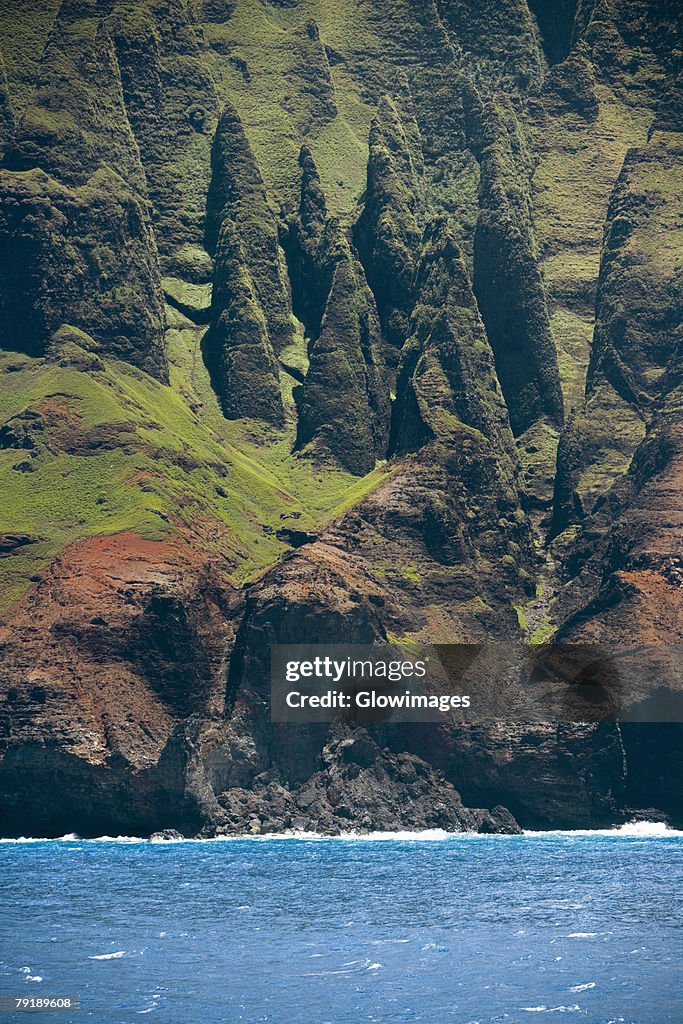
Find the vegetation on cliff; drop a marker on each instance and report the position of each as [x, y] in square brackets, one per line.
[322, 321]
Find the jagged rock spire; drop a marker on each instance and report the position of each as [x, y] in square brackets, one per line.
[386, 233]
[447, 377]
[237, 193]
[507, 281]
[343, 403]
[312, 206]
[237, 348]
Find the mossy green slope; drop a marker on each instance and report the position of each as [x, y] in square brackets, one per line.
[77, 119]
[116, 450]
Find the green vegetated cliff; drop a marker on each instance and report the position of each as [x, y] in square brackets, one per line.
[339, 323]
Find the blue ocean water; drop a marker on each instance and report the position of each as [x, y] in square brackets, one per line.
[292, 931]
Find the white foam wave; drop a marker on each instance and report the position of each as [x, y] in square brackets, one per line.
[71, 837]
[641, 829]
[109, 956]
[551, 1009]
[636, 829]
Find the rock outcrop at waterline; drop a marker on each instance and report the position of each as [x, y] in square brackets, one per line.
[334, 329]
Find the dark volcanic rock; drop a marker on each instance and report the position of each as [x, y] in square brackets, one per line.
[167, 835]
[359, 786]
[296, 538]
[547, 776]
[11, 542]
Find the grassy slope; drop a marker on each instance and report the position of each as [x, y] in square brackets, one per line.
[176, 463]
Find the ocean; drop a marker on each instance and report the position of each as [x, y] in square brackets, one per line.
[426, 927]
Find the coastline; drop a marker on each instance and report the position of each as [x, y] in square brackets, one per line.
[630, 830]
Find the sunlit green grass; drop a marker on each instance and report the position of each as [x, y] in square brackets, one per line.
[175, 463]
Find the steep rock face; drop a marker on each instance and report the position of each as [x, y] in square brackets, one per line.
[7, 124]
[447, 377]
[503, 35]
[343, 404]
[100, 657]
[628, 550]
[76, 129]
[22, 41]
[593, 107]
[637, 328]
[171, 103]
[332, 591]
[507, 282]
[84, 256]
[631, 44]
[627, 590]
[237, 348]
[307, 242]
[386, 233]
[570, 87]
[237, 193]
[77, 119]
[544, 774]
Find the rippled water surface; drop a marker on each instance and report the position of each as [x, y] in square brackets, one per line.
[464, 929]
